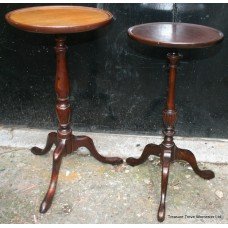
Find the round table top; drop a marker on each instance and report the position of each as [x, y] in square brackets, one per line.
[175, 35]
[58, 19]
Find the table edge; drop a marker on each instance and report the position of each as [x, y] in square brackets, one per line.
[58, 29]
[177, 45]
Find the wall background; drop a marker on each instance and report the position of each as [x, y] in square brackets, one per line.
[117, 84]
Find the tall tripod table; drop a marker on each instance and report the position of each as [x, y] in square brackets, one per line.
[174, 36]
[61, 20]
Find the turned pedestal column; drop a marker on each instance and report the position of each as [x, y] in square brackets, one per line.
[174, 36]
[61, 20]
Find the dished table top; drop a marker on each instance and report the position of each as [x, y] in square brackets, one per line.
[58, 19]
[175, 35]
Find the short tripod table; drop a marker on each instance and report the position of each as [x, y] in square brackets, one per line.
[174, 36]
[59, 21]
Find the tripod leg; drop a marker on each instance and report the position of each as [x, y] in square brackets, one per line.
[166, 159]
[150, 149]
[57, 159]
[51, 139]
[85, 141]
[188, 156]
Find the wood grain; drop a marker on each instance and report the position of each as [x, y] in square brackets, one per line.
[175, 35]
[58, 19]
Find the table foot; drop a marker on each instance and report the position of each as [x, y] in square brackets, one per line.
[64, 147]
[57, 159]
[150, 149]
[188, 156]
[166, 160]
[168, 155]
[85, 141]
[51, 139]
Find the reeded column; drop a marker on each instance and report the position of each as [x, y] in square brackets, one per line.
[170, 113]
[169, 119]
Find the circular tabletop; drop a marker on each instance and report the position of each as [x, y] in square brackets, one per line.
[175, 35]
[58, 19]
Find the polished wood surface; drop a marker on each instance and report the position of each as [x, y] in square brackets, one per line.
[58, 19]
[167, 151]
[175, 35]
[64, 140]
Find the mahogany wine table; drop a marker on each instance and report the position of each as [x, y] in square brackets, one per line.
[61, 20]
[174, 36]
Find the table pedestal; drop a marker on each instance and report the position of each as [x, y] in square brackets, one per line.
[167, 150]
[64, 140]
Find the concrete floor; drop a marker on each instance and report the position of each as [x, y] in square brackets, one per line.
[92, 192]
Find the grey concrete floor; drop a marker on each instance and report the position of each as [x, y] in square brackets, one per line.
[92, 192]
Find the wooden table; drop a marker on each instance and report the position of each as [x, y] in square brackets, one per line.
[174, 36]
[61, 20]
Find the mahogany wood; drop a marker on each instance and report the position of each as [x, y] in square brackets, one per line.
[64, 19]
[175, 36]
[58, 19]
[167, 150]
[64, 140]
